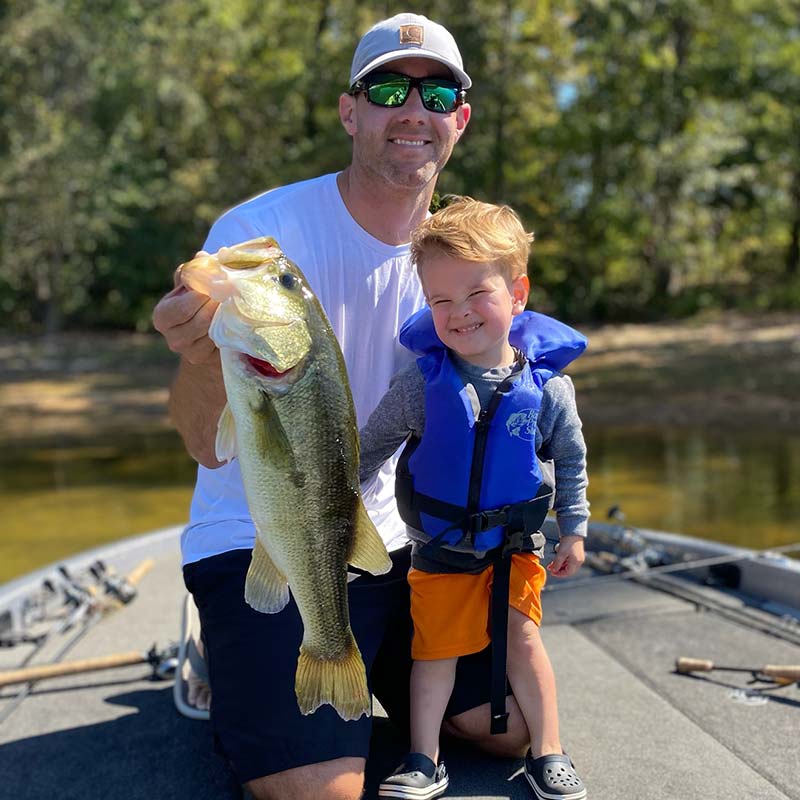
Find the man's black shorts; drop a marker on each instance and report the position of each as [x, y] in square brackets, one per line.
[252, 659]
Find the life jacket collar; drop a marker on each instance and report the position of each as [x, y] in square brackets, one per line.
[542, 339]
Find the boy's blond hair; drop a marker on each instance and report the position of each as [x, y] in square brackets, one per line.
[474, 231]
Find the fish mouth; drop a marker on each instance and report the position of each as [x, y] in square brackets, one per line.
[264, 368]
[269, 377]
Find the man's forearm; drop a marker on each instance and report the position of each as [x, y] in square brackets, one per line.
[196, 400]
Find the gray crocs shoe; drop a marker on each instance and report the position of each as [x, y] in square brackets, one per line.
[417, 778]
[553, 777]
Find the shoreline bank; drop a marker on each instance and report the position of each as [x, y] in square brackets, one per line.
[730, 371]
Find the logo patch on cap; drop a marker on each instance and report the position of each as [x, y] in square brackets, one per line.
[411, 34]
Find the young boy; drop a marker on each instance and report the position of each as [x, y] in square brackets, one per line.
[482, 409]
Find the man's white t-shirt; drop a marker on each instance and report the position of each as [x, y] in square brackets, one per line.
[368, 289]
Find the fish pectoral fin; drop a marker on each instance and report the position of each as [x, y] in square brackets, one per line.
[368, 551]
[277, 443]
[341, 683]
[225, 445]
[265, 588]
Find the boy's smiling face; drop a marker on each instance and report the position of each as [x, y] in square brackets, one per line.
[472, 306]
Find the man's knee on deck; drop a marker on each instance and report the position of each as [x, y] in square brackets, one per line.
[339, 779]
[473, 726]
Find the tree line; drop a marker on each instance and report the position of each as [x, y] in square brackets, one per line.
[652, 145]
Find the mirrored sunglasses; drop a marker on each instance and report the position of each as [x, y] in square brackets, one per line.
[391, 90]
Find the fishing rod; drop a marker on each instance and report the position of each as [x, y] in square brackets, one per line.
[88, 608]
[77, 602]
[780, 673]
[35, 609]
[163, 663]
[644, 572]
[82, 607]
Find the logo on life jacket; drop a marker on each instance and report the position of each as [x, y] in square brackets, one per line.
[523, 424]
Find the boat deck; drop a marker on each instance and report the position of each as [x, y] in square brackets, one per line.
[635, 728]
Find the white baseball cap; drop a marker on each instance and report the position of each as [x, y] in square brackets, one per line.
[407, 36]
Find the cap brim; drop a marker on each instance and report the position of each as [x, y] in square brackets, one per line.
[394, 55]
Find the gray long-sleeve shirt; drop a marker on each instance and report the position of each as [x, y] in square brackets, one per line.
[559, 438]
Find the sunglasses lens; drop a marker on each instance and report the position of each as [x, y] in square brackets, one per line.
[390, 92]
[439, 97]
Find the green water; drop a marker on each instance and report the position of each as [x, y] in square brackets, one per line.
[741, 488]
[60, 500]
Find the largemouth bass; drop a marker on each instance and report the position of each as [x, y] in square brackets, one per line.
[290, 421]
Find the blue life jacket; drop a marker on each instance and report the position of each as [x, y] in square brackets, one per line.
[442, 488]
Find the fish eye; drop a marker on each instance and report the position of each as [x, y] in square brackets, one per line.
[287, 280]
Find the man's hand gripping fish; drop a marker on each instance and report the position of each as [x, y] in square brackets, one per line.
[290, 421]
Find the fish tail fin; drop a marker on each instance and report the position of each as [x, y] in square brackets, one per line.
[368, 551]
[341, 683]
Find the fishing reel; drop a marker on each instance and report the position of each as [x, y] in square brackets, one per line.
[118, 586]
[164, 662]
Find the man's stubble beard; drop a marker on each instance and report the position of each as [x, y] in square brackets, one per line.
[395, 174]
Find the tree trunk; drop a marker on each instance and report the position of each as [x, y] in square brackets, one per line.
[501, 112]
[793, 252]
[310, 117]
[48, 294]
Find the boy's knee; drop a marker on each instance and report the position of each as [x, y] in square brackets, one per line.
[339, 779]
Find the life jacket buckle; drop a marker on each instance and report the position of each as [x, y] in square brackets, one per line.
[483, 521]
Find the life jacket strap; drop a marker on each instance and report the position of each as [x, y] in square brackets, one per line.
[520, 520]
[533, 513]
[498, 615]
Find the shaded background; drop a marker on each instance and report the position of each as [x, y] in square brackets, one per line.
[653, 146]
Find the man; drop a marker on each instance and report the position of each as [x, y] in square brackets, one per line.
[349, 233]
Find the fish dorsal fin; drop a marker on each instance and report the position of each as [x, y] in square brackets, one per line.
[225, 444]
[250, 254]
[368, 551]
[266, 588]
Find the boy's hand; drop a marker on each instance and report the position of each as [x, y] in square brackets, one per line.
[569, 557]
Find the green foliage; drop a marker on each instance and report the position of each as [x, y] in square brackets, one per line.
[650, 144]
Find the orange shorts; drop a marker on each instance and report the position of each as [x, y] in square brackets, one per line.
[451, 611]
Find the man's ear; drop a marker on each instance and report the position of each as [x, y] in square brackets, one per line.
[520, 288]
[463, 114]
[347, 113]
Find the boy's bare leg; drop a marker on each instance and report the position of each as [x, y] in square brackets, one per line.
[339, 779]
[533, 683]
[431, 686]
